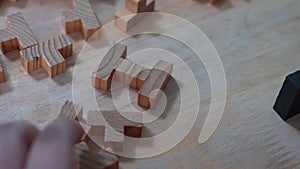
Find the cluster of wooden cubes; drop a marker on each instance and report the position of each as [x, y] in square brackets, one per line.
[146, 81]
[48, 54]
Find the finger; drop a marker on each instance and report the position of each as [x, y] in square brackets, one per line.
[15, 141]
[53, 148]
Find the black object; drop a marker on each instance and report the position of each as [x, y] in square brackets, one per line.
[287, 103]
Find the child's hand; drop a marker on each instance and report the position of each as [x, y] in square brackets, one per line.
[23, 146]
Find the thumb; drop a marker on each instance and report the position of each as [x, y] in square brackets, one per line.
[53, 148]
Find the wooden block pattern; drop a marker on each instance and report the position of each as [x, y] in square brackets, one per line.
[71, 111]
[128, 16]
[49, 54]
[102, 78]
[17, 35]
[115, 125]
[81, 18]
[2, 75]
[137, 77]
[100, 160]
[156, 80]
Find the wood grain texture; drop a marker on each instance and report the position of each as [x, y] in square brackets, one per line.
[258, 43]
[71, 111]
[49, 55]
[101, 79]
[128, 16]
[81, 18]
[101, 160]
[141, 78]
[2, 74]
[17, 35]
[115, 125]
[127, 72]
[156, 80]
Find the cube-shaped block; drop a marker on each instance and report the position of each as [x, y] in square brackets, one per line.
[287, 103]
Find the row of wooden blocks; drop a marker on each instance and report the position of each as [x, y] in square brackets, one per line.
[48, 54]
[51, 54]
[148, 82]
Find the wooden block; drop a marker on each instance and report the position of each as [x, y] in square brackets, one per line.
[128, 16]
[17, 35]
[138, 6]
[2, 75]
[102, 78]
[128, 72]
[93, 147]
[137, 77]
[115, 125]
[49, 54]
[100, 160]
[157, 79]
[125, 19]
[74, 112]
[71, 111]
[287, 103]
[81, 18]
[141, 78]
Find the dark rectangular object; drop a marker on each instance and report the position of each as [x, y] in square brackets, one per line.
[287, 103]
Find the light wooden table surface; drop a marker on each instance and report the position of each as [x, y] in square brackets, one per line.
[258, 42]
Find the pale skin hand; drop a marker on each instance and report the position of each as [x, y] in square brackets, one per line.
[23, 146]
